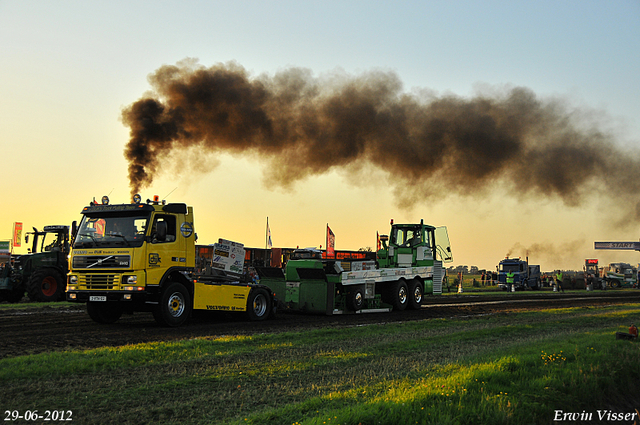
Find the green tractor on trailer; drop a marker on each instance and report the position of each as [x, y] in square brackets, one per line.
[42, 273]
[409, 265]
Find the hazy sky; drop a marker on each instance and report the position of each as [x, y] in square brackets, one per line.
[69, 68]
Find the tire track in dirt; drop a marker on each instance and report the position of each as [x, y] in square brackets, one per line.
[37, 330]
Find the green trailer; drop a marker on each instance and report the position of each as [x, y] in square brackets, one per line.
[409, 266]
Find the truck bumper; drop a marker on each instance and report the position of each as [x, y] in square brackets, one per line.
[133, 299]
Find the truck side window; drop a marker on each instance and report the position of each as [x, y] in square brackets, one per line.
[171, 227]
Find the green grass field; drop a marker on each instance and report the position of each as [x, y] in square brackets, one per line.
[509, 368]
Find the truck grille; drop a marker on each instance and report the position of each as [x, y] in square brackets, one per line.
[98, 281]
[101, 261]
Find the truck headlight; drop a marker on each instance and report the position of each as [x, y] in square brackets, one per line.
[73, 280]
[131, 280]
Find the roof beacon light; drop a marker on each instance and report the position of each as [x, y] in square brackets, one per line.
[137, 198]
[156, 199]
[105, 200]
[392, 222]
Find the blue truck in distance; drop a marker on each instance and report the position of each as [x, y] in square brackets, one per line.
[525, 275]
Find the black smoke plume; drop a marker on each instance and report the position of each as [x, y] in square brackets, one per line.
[301, 125]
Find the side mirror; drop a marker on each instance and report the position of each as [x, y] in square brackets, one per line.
[161, 231]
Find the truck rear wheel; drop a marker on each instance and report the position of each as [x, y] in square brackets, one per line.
[104, 312]
[355, 299]
[46, 284]
[175, 306]
[415, 294]
[399, 295]
[258, 304]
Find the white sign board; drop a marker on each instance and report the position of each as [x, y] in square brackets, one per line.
[228, 256]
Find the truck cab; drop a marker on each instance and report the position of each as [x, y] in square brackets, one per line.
[524, 275]
[125, 254]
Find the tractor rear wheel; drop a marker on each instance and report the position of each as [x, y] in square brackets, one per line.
[46, 284]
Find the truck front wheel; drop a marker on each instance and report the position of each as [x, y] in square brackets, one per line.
[104, 312]
[175, 306]
[258, 304]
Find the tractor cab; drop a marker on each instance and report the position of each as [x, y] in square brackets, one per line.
[414, 245]
[51, 238]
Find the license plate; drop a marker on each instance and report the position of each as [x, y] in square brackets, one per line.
[97, 298]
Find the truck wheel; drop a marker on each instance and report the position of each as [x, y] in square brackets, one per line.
[355, 299]
[415, 294]
[46, 284]
[104, 312]
[175, 306]
[258, 304]
[399, 295]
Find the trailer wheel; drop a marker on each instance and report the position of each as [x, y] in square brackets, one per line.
[355, 299]
[415, 294]
[45, 284]
[399, 295]
[104, 312]
[258, 304]
[175, 306]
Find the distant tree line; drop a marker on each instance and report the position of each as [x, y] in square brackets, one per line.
[464, 269]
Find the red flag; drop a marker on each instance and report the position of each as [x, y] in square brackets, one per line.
[378, 246]
[331, 242]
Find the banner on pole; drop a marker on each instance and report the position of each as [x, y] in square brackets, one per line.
[331, 242]
[17, 234]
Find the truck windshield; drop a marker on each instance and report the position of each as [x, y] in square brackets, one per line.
[407, 236]
[506, 268]
[111, 231]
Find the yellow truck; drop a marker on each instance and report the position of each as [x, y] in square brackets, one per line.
[143, 257]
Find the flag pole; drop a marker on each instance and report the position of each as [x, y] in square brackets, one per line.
[266, 236]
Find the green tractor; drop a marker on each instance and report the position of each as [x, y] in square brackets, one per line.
[42, 273]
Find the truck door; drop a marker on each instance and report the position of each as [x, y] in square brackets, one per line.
[443, 246]
[163, 250]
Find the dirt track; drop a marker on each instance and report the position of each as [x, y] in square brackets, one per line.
[36, 330]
